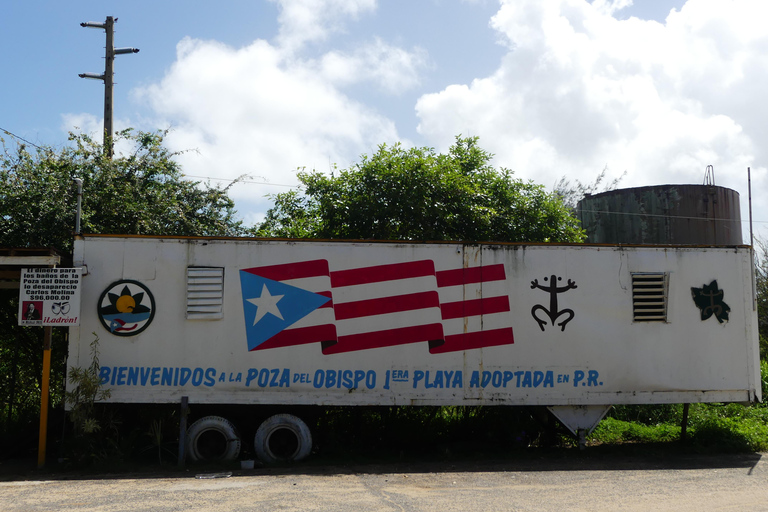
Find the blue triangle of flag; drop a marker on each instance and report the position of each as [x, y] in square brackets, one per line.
[271, 306]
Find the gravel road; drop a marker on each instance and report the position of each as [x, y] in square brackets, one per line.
[627, 483]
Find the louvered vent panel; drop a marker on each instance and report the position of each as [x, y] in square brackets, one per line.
[205, 293]
[649, 297]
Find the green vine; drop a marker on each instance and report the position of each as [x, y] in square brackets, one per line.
[85, 391]
[91, 441]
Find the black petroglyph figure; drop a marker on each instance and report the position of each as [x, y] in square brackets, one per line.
[552, 313]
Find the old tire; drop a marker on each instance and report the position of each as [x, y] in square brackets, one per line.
[212, 438]
[282, 438]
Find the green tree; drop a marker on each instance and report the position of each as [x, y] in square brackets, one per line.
[761, 285]
[418, 194]
[142, 192]
[292, 216]
[139, 192]
[573, 192]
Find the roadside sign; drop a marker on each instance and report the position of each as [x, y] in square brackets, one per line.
[49, 296]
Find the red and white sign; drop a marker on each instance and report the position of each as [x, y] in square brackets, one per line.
[49, 296]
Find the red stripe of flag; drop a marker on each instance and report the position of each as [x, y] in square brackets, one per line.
[470, 340]
[380, 273]
[383, 305]
[300, 336]
[470, 275]
[474, 307]
[328, 304]
[285, 271]
[387, 338]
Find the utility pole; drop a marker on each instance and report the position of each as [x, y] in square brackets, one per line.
[108, 76]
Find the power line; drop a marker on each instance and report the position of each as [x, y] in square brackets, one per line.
[250, 182]
[19, 137]
[723, 219]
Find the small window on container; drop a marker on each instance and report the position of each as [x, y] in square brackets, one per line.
[205, 293]
[649, 296]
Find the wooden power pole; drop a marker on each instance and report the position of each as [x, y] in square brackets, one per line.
[108, 76]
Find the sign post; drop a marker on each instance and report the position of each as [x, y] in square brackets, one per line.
[44, 393]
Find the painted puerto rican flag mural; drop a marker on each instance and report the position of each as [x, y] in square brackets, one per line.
[473, 320]
[377, 306]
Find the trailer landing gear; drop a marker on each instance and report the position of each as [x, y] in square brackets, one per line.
[581, 420]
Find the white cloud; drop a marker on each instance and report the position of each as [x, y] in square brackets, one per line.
[268, 108]
[303, 21]
[93, 126]
[580, 89]
[83, 123]
[391, 68]
[610, 6]
[259, 111]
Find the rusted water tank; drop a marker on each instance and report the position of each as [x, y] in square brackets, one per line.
[663, 214]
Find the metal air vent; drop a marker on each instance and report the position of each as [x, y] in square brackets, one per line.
[205, 293]
[649, 296]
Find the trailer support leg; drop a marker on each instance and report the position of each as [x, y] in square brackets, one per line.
[582, 435]
[183, 430]
[684, 424]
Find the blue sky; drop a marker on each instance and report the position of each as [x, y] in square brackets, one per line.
[657, 88]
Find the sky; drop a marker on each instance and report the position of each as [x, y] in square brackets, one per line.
[652, 91]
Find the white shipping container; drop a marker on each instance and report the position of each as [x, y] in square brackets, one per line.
[572, 327]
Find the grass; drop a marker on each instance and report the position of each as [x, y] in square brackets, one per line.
[615, 431]
[730, 427]
[726, 427]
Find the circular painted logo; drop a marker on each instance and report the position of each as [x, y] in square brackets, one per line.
[126, 308]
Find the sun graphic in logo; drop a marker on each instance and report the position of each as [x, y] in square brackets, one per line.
[126, 308]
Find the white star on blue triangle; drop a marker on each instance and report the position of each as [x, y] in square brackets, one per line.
[281, 305]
